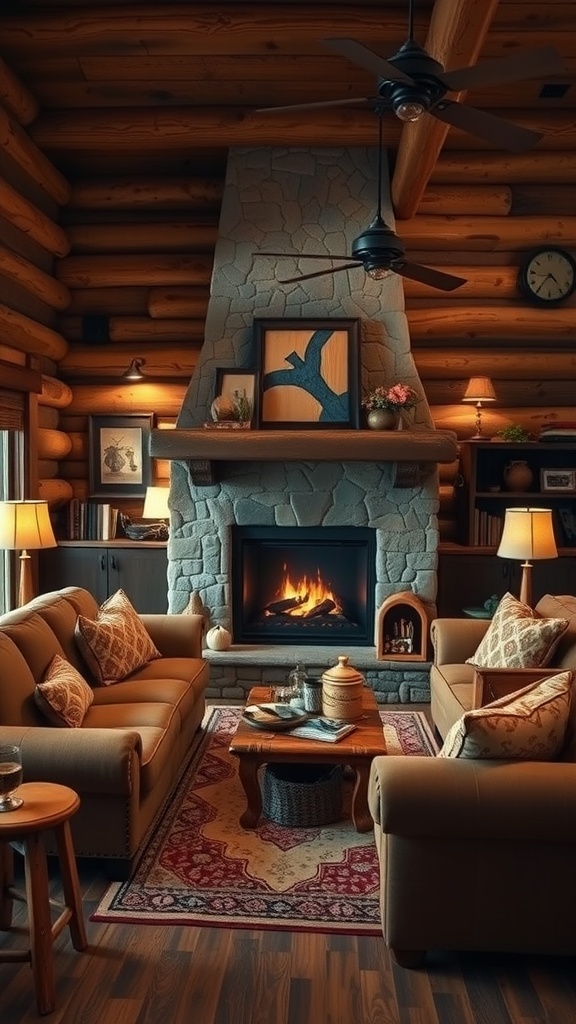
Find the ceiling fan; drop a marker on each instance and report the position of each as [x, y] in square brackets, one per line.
[412, 83]
[378, 249]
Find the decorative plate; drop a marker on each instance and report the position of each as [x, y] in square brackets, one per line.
[273, 716]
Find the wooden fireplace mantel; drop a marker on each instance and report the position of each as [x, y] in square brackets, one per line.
[411, 450]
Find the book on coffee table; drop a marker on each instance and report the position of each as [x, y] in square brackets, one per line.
[328, 730]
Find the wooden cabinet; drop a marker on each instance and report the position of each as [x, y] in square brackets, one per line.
[486, 489]
[140, 569]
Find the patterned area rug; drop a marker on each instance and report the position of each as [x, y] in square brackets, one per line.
[201, 868]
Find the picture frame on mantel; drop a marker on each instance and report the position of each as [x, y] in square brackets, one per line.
[119, 463]
[308, 373]
[230, 383]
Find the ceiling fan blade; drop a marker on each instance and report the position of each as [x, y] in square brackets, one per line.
[366, 58]
[318, 273]
[427, 275]
[494, 129]
[304, 255]
[356, 102]
[529, 64]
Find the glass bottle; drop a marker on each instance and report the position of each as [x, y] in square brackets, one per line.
[296, 680]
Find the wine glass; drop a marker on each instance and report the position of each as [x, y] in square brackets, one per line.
[10, 777]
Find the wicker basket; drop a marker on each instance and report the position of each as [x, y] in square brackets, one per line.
[302, 795]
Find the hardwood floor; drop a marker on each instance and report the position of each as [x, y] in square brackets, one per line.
[167, 975]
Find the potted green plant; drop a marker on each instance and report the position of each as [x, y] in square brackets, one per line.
[514, 433]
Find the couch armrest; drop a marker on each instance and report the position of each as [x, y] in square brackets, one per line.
[454, 640]
[88, 760]
[492, 683]
[444, 798]
[176, 636]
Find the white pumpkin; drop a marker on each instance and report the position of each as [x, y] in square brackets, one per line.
[218, 638]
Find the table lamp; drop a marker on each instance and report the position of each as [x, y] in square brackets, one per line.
[25, 525]
[156, 506]
[479, 390]
[528, 534]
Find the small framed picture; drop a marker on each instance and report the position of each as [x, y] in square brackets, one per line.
[561, 481]
[240, 388]
[119, 463]
[308, 373]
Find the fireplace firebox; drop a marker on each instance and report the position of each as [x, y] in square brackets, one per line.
[303, 585]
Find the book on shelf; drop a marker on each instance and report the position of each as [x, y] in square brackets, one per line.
[487, 529]
[327, 730]
[90, 520]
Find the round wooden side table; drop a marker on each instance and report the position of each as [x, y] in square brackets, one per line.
[46, 806]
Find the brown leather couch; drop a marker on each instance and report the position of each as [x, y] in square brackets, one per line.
[478, 855]
[133, 742]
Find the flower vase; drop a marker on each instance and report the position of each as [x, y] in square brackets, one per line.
[382, 419]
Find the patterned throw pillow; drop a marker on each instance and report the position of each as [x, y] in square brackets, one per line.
[518, 638]
[528, 725]
[115, 643]
[63, 696]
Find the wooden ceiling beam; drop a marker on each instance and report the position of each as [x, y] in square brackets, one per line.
[458, 29]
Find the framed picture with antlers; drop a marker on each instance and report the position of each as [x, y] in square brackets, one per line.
[308, 373]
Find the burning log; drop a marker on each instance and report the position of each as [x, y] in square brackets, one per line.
[278, 607]
[324, 608]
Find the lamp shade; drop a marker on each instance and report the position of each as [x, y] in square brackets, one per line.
[25, 525]
[528, 534]
[156, 503]
[134, 371]
[479, 389]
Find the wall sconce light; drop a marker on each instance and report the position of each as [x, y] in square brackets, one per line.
[25, 525]
[134, 371]
[479, 390]
[529, 534]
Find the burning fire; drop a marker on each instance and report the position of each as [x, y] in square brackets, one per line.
[309, 593]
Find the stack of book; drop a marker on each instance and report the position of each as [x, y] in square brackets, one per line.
[90, 520]
[328, 730]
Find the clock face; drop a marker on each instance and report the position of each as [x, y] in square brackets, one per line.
[549, 276]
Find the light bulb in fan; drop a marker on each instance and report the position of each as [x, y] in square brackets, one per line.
[409, 110]
[378, 273]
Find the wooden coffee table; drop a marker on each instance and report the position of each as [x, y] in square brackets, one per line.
[255, 747]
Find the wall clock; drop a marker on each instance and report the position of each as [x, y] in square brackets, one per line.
[548, 276]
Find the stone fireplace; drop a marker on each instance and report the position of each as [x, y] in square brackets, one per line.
[316, 201]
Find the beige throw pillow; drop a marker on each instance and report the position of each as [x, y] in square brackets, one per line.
[115, 643]
[63, 696]
[528, 725]
[518, 638]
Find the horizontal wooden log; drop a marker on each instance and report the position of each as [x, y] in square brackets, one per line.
[549, 200]
[48, 418]
[127, 301]
[55, 393]
[480, 323]
[29, 336]
[492, 233]
[181, 236]
[162, 471]
[75, 423]
[122, 399]
[557, 128]
[461, 363]
[84, 361]
[78, 446]
[48, 469]
[29, 156]
[101, 271]
[42, 286]
[446, 499]
[56, 492]
[127, 329]
[164, 303]
[15, 97]
[79, 489]
[481, 283]
[448, 471]
[466, 200]
[509, 393]
[513, 168]
[53, 444]
[461, 419]
[147, 193]
[447, 529]
[31, 221]
[72, 469]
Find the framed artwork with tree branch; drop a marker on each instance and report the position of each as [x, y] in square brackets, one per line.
[308, 373]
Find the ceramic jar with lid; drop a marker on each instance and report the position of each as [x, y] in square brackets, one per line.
[342, 688]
